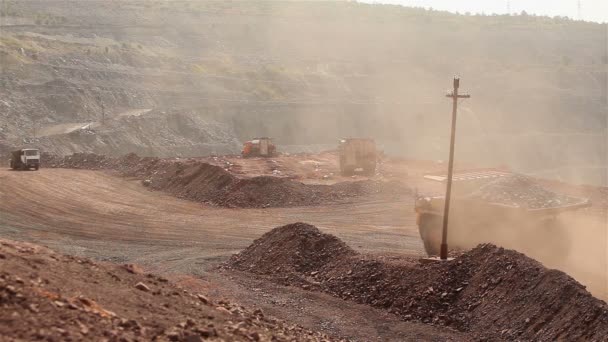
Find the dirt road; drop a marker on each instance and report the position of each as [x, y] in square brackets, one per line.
[63, 128]
[105, 217]
[92, 209]
[95, 214]
[66, 128]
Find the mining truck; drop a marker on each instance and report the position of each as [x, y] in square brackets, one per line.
[357, 154]
[258, 147]
[491, 207]
[25, 159]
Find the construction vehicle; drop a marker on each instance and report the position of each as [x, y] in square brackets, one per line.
[357, 154]
[25, 159]
[259, 147]
[474, 220]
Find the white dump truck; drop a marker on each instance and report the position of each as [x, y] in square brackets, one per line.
[25, 159]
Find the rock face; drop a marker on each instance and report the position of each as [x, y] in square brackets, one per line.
[203, 182]
[490, 292]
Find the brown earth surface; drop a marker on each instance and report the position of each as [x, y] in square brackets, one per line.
[107, 218]
[48, 296]
[489, 291]
[200, 181]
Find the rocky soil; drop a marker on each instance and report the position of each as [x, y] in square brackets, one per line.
[202, 182]
[521, 191]
[490, 292]
[53, 297]
[149, 132]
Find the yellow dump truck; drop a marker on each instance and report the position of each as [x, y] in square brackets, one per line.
[357, 154]
[511, 210]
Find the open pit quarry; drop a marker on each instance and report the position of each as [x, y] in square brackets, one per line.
[205, 226]
[155, 209]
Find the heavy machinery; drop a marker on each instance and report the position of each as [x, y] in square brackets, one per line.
[357, 154]
[25, 159]
[259, 147]
[501, 218]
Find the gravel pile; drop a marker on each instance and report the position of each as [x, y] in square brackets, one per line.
[521, 191]
[293, 249]
[489, 292]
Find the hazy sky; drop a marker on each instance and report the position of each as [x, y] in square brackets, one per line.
[591, 10]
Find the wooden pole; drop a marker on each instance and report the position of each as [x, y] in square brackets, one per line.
[448, 192]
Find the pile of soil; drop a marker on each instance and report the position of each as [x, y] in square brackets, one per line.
[490, 292]
[53, 297]
[92, 161]
[293, 249]
[202, 182]
[521, 191]
[267, 191]
[89, 161]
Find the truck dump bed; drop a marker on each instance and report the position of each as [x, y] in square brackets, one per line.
[500, 207]
[503, 190]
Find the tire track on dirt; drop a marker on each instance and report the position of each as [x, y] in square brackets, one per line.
[99, 206]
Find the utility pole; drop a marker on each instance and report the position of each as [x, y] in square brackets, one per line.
[580, 13]
[508, 7]
[448, 192]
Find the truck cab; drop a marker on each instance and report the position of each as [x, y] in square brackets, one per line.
[25, 159]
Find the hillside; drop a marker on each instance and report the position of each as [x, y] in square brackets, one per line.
[192, 78]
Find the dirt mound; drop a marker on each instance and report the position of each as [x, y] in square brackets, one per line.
[298, 247]
[90, 161]
[267, 191]
[52, 297]
[490, 292]
[202, 182]
[93, 161]
[521, 191]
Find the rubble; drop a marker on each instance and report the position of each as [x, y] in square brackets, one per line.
[59, 308]
[489, 292]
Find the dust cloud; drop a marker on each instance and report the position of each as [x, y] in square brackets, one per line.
[587, 257]
[310, 73]
[574, 243]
